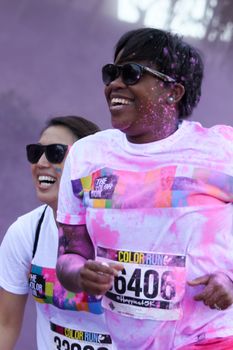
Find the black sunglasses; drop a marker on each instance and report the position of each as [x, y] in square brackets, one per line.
[130, 73]
[55, 153]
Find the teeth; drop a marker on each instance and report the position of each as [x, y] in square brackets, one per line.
[45, 184]
[117, 100]
[43, 178]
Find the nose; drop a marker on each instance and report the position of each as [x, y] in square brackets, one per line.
[43, 162]
[115, 85]
[117, 82]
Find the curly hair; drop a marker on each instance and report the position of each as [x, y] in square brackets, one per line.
[171, 55]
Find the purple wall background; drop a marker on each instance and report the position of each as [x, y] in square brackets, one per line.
[51, 52]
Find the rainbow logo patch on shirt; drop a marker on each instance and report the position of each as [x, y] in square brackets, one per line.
[46, 288]
[164, 187]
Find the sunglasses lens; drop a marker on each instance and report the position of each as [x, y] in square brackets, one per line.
[131, 73]
[109, 73]
[34, 152]
[55, 153]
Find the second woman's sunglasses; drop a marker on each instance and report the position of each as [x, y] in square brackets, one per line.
[130, 73]
[55, 153]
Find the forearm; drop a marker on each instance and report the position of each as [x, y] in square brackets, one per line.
[67, 269]
[8, 336]
[75, 248]
[74, 239]
[11, 317]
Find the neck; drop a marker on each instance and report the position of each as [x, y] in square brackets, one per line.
[55, 214]
[160, 132]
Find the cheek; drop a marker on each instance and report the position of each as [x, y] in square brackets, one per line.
[156, 113]
[33, 171]
[106, 91]
[149, 110]
[58, 170]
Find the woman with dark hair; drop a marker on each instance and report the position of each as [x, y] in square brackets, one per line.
[29, 253]
[147, 222]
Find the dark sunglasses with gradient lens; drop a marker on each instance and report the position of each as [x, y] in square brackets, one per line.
[55, 153]
[130, 73]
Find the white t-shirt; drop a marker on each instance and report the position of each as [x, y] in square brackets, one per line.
[65, 320]
[164, 210]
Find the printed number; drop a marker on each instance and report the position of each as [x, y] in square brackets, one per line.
[134, 282]
[155, 286]
[65, 345]
[86, 347]
[76, 347]
[120, 283]
[57, 341]
[168, 288]
[150, 283]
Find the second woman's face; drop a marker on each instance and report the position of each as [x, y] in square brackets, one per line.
[46, 176]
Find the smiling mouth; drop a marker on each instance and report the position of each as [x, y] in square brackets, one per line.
[46, 181]
[119, 102]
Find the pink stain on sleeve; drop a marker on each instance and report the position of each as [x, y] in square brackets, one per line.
[67, 219]
[226, 131]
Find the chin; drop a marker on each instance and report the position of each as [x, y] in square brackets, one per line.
[120, 125]
[46, 198]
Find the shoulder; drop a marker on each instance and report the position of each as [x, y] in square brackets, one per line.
[214, 145]
[216, 133]
[31, 216]
[99, 138]
[94, 145]
[18, 242]
[25, 225]
[223, 131]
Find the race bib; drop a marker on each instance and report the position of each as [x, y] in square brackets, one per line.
[74, 339]
[150, 286]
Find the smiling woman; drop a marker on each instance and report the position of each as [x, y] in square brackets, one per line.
[29, 248]
[155, 203]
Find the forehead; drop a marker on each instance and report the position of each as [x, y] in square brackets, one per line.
[121, 59]
[57, 134]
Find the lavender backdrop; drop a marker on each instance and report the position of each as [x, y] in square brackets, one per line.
[51, 52]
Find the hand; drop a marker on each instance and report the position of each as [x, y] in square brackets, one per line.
[95, 278]
[218, 290]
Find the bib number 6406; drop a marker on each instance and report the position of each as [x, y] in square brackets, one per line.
[146, 284]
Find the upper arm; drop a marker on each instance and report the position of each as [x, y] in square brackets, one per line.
[11, 307]
[75, 239]
[71, 210]
[15, 258]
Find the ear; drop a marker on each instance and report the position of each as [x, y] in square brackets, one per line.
[176, 92]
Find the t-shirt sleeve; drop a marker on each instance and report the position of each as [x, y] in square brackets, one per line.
[224, 134]
[222, 141]
[15, 260]
[70, 207]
